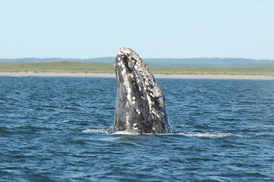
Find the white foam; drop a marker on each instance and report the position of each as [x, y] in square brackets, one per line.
[209, 135]
[125, 133]
[96, 131]
[199, 135]
[188, 134]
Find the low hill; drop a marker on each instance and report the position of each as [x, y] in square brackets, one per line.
[161, 62]
[72, 67]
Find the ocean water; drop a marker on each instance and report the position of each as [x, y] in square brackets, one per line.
[59, 129]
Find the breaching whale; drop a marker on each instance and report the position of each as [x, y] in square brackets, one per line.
[140, 102]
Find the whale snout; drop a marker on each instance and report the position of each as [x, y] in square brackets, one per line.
[125, 61]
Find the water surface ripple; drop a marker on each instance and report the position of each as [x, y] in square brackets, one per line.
[59, 129]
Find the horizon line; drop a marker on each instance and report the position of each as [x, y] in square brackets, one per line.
[113, 57]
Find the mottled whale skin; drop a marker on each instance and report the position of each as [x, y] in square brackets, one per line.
[140, 102]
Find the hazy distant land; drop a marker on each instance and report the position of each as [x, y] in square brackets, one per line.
[85, 69]
[160, 62]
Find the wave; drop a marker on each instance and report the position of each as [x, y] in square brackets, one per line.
[96, 130]
[188, 134]
[209, 135]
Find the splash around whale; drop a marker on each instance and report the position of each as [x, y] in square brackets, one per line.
[140, 102]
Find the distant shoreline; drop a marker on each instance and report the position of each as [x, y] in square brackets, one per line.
[112, 75]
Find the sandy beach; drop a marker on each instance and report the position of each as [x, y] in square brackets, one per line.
[111, 75]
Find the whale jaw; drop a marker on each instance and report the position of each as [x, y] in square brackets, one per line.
[140, 102]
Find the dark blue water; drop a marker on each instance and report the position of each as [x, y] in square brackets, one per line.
[59, 129]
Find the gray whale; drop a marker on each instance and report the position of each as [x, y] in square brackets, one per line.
[140, 102]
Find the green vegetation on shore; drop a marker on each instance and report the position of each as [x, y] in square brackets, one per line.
[73, 67]
[63, 67]
[260, 70]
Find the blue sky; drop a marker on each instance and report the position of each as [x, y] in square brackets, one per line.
[154, 28]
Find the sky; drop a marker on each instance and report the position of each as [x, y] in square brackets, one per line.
[153, 28]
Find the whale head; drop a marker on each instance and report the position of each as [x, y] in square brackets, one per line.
[140, 102]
